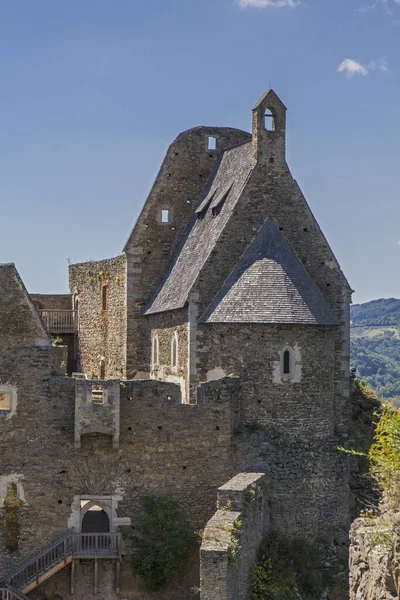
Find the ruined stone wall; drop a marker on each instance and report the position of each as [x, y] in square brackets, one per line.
[52, 301]
[164, 328]
[166, 448]
[102, 333]
[183, 175]
[232, 538]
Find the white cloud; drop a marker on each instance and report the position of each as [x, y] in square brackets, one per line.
[381, 65]
[351, 67]
[383, 4]
[266, 3]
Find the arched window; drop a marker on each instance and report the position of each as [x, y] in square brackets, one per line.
[174, 351]
[288, 362]
[95, 520]
[155, 350]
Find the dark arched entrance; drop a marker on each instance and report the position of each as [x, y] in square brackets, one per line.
[95, 521]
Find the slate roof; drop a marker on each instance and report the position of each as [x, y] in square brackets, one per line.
[270, 285]
[203, 230]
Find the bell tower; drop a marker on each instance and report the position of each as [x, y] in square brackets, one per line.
[269, 130]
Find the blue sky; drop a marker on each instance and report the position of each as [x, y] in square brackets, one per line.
[93, 91]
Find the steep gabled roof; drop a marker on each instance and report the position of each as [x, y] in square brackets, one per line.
[203, 230]
[270, 285]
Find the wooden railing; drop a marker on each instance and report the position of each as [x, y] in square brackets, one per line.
[57, 554]
[8, 593]
[92, 545]
[35, 567]
[60, 321]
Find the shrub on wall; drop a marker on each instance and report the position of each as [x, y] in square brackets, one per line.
[384, 455]
[288, 569]
[161, 541]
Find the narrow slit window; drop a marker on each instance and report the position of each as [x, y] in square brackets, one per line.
[165, 216]
[155, 350]
[211, 143]
[102, 369]
[174, 352]
[286, 362]
[97, 394]
[104, 297]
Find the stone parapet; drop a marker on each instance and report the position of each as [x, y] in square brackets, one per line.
[232, 538]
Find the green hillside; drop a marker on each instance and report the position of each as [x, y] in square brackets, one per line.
[375, 345]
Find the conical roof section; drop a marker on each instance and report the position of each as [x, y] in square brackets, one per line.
[270, 285]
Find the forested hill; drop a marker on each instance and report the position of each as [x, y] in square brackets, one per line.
[375, 345]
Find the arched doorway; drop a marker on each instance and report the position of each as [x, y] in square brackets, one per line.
[95, 520]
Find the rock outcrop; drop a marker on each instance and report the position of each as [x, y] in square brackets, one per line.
[374, 570]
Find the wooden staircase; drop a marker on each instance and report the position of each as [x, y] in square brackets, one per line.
[55, 556]
[8, 593]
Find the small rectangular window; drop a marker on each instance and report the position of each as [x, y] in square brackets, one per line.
[212, 143]
[165, 216]
[97, 394]
[5, 401]
[104, 298]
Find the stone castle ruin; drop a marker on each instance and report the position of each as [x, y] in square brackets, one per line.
[207, 363]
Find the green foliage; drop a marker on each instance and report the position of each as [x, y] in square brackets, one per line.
[385, 311]
[161, 542]
[288, 569]
[384, 454]
[375, 345]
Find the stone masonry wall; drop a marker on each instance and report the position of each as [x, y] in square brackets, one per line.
[97, 417]
[165, 327]
[102, 333]
[184, 173]
[232, 538]
[303, 405]
[166, 448]
[287, 428]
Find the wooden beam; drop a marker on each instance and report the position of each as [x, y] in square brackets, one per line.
[117, 575]
[72, 576]
[96, 573]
